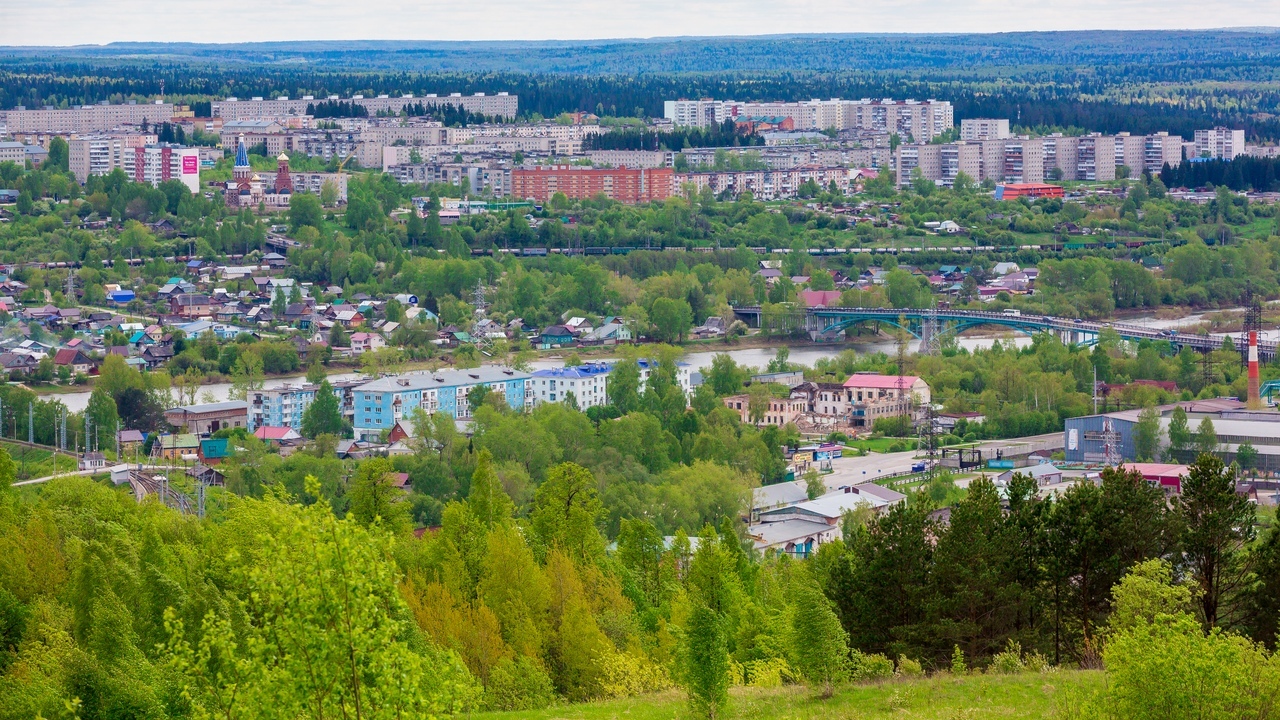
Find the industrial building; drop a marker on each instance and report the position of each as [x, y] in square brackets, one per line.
[1108, 437]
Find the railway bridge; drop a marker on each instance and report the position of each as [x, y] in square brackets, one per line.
[931, 325]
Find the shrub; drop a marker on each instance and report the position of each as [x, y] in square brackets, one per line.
[518, 685]
[869, 667]
[1008, 661]
[626, 674]
[957, 662]
[908, 667]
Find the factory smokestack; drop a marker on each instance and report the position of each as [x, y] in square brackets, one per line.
[1255, 396]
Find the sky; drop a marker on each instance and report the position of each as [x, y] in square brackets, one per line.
[75, 22]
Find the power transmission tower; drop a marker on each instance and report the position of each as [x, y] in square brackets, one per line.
[930, 329]
[1110, 444]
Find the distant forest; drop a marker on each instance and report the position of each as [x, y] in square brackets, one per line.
[1106, 81]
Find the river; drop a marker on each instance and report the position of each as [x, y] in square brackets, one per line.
[749, 357]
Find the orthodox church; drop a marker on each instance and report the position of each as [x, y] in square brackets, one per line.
[246, 190]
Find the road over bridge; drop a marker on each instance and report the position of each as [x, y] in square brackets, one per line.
[931, 325]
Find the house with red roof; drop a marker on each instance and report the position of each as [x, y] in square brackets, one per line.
[76, 360]
[820, 298]
[275, 434]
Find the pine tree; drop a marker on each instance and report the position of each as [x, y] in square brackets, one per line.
[1219, 528]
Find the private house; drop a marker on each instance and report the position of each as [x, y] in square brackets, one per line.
[363, 342]
[77, 361]
[555, 336]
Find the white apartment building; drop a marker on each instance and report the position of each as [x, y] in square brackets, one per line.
[1161, 149]
[85, 118]
[1220, 143]
[973, 129]
[918, 120]
[501, 105]
[632, 158]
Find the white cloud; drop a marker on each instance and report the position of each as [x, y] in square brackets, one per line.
[68, 22]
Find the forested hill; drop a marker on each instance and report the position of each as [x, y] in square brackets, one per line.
[1209, 50]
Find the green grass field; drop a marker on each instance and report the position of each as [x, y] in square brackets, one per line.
[942, 697]
[880, 445]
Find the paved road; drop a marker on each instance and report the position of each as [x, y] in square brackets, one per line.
[854, 470]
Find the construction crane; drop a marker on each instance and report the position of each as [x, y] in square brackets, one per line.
[344, 161]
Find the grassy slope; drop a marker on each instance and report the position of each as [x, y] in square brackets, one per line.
[943, 697]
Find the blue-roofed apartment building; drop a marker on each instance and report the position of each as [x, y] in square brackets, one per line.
[588, 383]
[380, 404]
[280, 406]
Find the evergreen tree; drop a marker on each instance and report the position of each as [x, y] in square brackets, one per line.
[1219, 527]
[324, 415]
[706, 662]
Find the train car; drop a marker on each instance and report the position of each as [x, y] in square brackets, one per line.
[533, 252]
[621, 250]
[597, 251]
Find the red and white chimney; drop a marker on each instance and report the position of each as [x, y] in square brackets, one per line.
[1255, 395]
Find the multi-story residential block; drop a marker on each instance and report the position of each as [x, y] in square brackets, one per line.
[1161, 149]
[1061, 154]
[621, 184]
[501, 105]
[1220, 143]
[1023, 160]
[1130, 152]
[149, 163]
[382, 403]
[314, 182]
[588, 384]
[492, 178]
[632, 158]
[1096, 158]
[769, 184]
[22, 153]
[973, 129]
[280, 406]
[921, 121]
[1263, 151]
[85, 118]
[941, 163]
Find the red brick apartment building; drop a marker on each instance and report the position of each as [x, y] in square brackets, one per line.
[580, 183]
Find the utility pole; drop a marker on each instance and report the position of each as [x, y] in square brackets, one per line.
[31, 426]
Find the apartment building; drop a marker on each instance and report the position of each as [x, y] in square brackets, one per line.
[501, 105]
[382, 403]
[1023, 160]
[21, 153]
[1096, 158]
[587, 383]
[622, 184]
[1130, 152]
[314, 182]
[942, 163]
[1220, 143]
[139, 156]
[1161, 149]
[1061, 153]
[632, 158]
[281, 406]
[974, 129]
[85, 118]
[919, 120]
[490, 178]
[768, 184]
